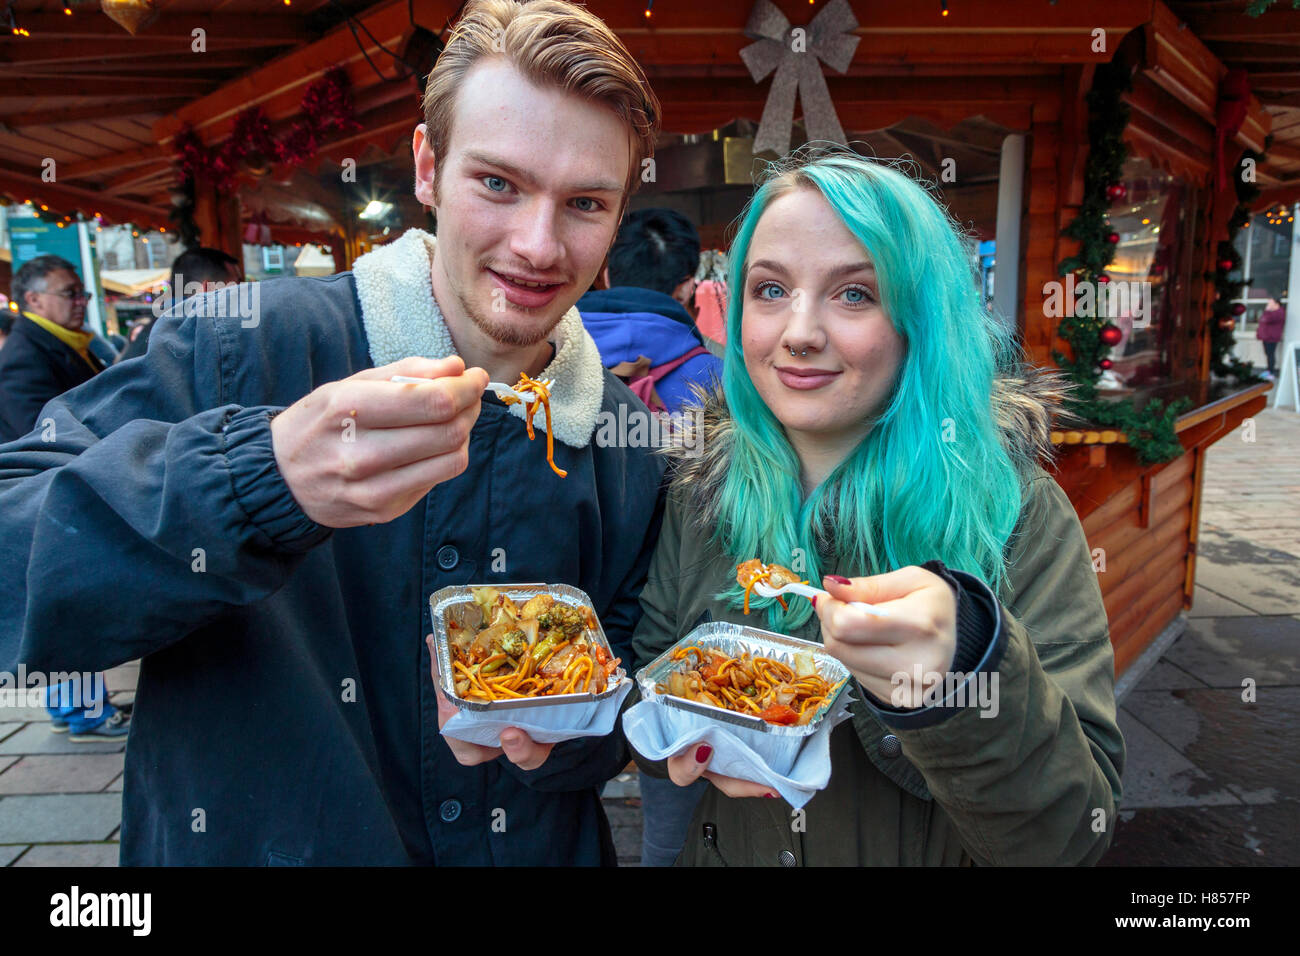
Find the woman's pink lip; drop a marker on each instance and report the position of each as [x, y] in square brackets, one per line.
[805, 379]
[523, 296]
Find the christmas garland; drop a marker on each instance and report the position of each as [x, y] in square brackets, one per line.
[1149, 429]
[1225, 313]
[326, 108]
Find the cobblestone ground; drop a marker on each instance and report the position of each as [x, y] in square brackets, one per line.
[1211, 779]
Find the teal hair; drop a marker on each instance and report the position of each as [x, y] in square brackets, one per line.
[904, 495]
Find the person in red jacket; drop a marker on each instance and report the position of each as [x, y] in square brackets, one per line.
[1271, 323]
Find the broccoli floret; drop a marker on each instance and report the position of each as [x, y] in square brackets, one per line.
[563, 617]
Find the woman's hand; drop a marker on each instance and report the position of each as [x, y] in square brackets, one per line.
[516, 746]
[885, 653]
[689, 765]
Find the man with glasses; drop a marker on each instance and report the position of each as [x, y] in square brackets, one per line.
[47, 351]
[46, 354]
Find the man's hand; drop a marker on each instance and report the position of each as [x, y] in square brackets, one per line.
[365, 450]
[921, 630]
[517, 747]
[691, 764]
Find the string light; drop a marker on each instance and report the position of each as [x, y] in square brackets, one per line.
[67, 11]
[943, 8]
[649, 6]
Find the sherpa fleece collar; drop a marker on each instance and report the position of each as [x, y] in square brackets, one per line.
[402, 318]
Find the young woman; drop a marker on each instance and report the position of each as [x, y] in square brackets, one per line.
[868, 433]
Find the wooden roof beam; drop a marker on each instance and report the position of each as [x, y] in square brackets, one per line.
[22, 185]
[63, 86]
[1234, 25]
[120, 160]
[136, 179]
[64, 52]
[278, 87]
[169, 27]
[118, 109]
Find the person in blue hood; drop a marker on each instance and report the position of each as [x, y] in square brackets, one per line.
[641, 324]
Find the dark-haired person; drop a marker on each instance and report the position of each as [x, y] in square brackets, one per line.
[47, 353]
[194, 271]
[641, 323]
[286, 509]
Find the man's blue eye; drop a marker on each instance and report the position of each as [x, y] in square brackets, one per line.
[591, 204]
[494, 183]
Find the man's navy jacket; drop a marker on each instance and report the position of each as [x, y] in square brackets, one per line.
[285, 712]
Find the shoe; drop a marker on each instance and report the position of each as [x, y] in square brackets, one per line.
[58, 725]
[115, 728]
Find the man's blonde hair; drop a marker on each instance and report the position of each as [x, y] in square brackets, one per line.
[555, 44]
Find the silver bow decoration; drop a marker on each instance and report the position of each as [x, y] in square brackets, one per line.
[794, 56]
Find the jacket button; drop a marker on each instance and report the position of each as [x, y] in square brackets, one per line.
[449, 811]
[787, 859]
[448, 557]
[890, 747]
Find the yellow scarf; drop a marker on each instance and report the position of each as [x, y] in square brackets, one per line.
[73, 338]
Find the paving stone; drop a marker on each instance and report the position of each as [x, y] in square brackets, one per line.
[6, 761]
[1165, 675]
[71, 854]
[24, 714]
[1250, 745]
[1207, 836]
[59, 817]
[624, 786]
[116, 785]
[123, 677]
[10, 853]
[39, 739]
[63, 773]
[1157, 775]
[8, 729]
[1223, 651]
[1263, 578]
[1205, 603]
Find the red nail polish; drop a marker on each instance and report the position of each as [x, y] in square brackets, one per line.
[703, 753]
[837, 579]
[772, 795]
[814, 600]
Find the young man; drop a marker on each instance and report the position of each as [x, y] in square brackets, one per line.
[287, 510]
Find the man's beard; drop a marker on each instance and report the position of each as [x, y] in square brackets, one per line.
[499, 328]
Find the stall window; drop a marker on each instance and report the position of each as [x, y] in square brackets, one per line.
[1147, 298]
[1265, 249]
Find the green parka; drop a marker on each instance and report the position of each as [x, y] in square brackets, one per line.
[1037, 784]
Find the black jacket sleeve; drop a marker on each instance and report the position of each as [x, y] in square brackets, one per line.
[150, 505]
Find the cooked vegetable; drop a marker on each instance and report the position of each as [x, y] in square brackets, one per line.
[751, 684]
[541, 649]
[753, 572]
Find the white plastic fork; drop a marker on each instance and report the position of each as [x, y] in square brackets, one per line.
[501, 390]
[807, 591]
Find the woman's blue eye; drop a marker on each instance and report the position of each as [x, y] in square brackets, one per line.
[857, 296]
[494, 183]
[767, 287]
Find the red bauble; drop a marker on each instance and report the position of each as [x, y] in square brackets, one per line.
[1103, 278]
[1113, 238]
[1116, 191]
[1105, 364]
[1111, 334]
[1238, 309]
[1225, 264]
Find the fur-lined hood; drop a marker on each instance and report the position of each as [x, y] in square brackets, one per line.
[1024, 407]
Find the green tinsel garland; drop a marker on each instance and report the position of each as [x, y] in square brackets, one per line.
[1222, 321]
[1150, 429]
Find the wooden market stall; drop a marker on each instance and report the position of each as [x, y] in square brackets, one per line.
[987, 99]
